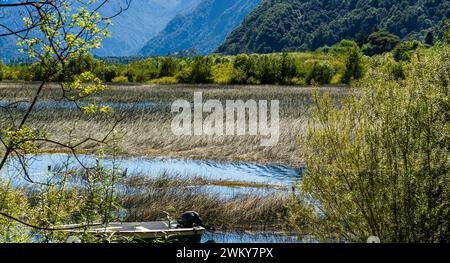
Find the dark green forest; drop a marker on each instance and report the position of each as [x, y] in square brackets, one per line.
[288, 25]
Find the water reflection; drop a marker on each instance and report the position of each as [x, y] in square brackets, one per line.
[67, 105]
[154, 167]
[244, 237]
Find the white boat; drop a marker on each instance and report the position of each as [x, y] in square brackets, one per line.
[140, 232]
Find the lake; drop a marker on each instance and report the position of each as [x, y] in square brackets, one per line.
[275, 175]
[246, 237]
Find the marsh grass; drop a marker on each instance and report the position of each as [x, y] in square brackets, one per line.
[147, 131]
[165, 180]
[145, 199]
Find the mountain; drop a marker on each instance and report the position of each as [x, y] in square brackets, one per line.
[10, 18]
[284, 25]
[203, 29]
[141, 22]
[130, 30]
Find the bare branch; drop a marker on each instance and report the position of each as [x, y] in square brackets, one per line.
[74, 227]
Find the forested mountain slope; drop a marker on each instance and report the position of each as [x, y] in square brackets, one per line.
[282, 25]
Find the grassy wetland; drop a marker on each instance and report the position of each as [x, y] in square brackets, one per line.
[362, 147]
[145, 115]
[146, 198]
[226, 199]
[385, 136]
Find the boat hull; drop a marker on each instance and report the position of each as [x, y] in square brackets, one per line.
[152, 232]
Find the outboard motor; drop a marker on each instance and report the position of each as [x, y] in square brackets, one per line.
[190, 219]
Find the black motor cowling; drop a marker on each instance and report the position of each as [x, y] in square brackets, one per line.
[190, 219]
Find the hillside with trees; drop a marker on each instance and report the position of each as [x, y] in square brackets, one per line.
[286, 25]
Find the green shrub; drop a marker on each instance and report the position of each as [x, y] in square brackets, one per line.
[1, 70]
[239, 77]
[404, 50]
[11, 74]
[269, 70]
[130, 76]
[288, 69]
[143, 70]
[75, 67]
[168, 68]
[429, 38]
[199, 72]
[354, 68]
[120, 79]
[378, 164]
[244, 69]
[397, 71]
[36, 70]
[184, 75]
[343, 47]
[165, 81]
[108, 73]
[14, 201]
[222, 73]
[320, 73]
[380, 42]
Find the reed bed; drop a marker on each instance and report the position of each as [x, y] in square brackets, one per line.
[148, 199]
[147, 132]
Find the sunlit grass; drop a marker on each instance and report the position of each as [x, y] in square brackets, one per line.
[146, 198]
[147, 132]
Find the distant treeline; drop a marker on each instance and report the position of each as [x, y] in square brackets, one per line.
[328, 65]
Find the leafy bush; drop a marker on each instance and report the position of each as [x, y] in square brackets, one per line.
[269, 70]
[429, 39]
[75, 67]
[168, 67]
[108, 73]
[380, 42]
[354, 69]
[184, 75]
[1, 70]
[15, 203]
[343, 47]
[86, 202]
[379, 163]
[222, 73]
[320, 73]
[397, 71]
[165, 81]
[264, 69]
[143, 70]
[239, 77]
[404, 50]
[120, 79]
[11, 74]
[198, 72]
[244, 69]
[288, 69]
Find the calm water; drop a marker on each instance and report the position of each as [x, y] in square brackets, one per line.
[230, 192]
[243, 237]
[280, 175]
[237, 171]
[67, 105]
